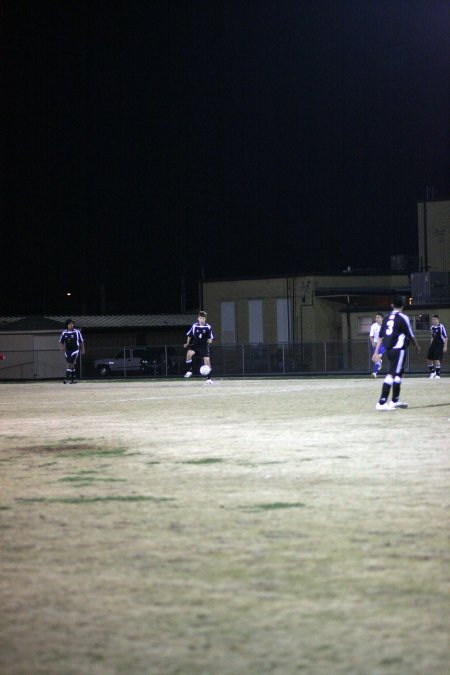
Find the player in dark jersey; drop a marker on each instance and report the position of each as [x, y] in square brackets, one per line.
[438, 346]
[71, 342]
[198, 340]
[395, 334]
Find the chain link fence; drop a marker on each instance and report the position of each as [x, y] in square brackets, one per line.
[308, 358]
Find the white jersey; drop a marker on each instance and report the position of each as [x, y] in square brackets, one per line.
[374, 332]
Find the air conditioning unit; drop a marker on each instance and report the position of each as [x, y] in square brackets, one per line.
[399, 263]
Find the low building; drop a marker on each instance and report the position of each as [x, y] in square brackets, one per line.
[313, 308]
[298, 309]
[30, 343]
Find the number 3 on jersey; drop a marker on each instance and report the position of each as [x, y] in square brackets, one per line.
[389, 327]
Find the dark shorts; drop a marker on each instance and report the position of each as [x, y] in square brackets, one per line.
[397, 358]
[435, 351]
[71, 357]
[200, 350]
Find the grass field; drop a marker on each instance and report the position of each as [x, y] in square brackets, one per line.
[254, 526]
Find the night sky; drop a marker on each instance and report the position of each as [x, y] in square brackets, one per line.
[146, 144]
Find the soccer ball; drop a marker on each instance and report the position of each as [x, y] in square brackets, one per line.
[205, 370]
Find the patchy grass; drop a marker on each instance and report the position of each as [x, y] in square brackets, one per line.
[87, 479]
[204, 460]
[96, 452]
[90, 500]
[315, 541]
[274, 506]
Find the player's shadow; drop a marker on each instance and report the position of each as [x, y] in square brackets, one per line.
[431, 405]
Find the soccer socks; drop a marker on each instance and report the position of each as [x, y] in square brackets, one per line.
[387, 384]
[189, 366]
[385, 392]
[438, 371]
[431, 369]
[396, 390]
[71, 376]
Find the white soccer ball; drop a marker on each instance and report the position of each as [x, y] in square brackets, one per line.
[205, 370]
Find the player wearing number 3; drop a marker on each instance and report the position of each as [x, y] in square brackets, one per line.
[395, 335]
[198, 339]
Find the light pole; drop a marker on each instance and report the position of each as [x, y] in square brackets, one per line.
[440, 231]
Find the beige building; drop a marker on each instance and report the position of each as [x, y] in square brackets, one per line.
[283, 310]
[299, 309]
[434, 235]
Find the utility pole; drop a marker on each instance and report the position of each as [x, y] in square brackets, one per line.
[440, 231]
[429, 193]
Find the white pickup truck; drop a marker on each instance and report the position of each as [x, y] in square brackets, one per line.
[127, 361]
[138, 360]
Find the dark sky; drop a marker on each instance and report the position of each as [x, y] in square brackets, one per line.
[146, 142]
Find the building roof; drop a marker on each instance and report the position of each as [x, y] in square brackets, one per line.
[23, 323]
[344, 291]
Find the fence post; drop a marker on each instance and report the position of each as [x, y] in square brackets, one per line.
[35, 360]
[243, 358]
[325, 356]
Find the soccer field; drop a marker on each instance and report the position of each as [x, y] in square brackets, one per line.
[253, 526]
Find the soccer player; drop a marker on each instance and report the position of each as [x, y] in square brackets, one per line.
[373, 337]
[198, 340]
[71, 341]
[395, 334]
[438, 346]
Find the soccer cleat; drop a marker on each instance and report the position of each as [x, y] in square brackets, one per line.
[384, 406]
[399, 404]
[374, 374]
[188, 374]
[437, 377]
[74, 381]
[64, 381]
[209, 382]
[432, 376]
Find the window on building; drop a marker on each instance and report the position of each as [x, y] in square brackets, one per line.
[364, 324]
[284, 329]
[255, 322]
[228, 321]
[418, 322]
[421, 322]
